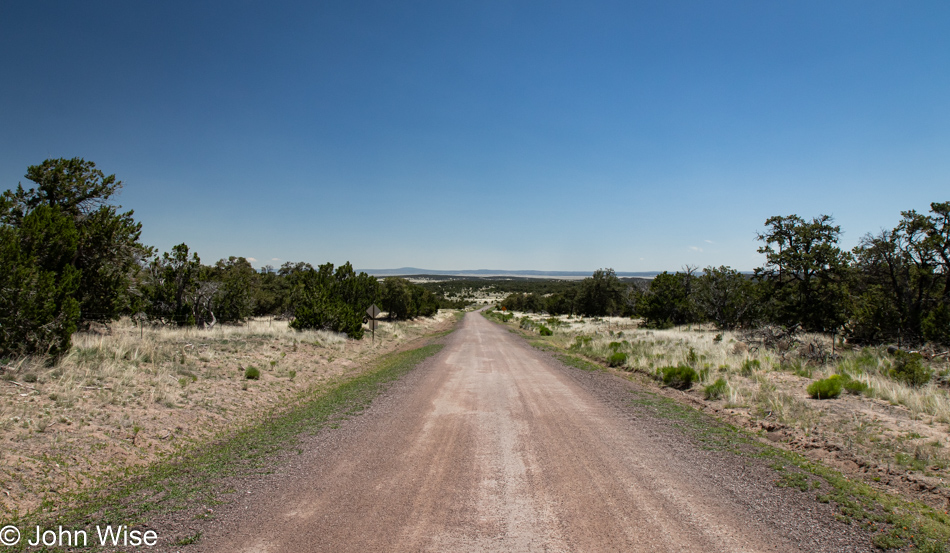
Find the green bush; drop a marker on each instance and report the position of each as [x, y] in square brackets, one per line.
[526, 323]
[680, 377]
[908, 368]
[337, 301]
[717, 389]
[617, 359]
[581, 342]
[856, 387]
[749, 366]
[545, 331]
[252, 373]
[826, 388]
[691, 357]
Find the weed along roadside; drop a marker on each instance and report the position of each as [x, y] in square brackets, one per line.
[891, 520]
[197, 478]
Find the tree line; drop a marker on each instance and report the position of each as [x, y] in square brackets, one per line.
[893, 287]
[72, 258]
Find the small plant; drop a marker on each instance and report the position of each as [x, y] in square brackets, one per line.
[856, 387]
[617, 359]
[718, 338]
[749, 366]
[30, 378]
[252, 373]
[581, 342]
[292, 374]
[908, 368]
[545, 331]
[188, 540]
[680, 377]
[826, 388]
[717, 389]
[691, 357]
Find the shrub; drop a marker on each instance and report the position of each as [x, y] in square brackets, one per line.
[691, 357]
[749, 366]
[581, 342]
[908, 368]
[252, 373]
[797, 368]
[856, 387]
[717, 389]
[545, 331]
[826, 388]
[617, 359]
[680, 377]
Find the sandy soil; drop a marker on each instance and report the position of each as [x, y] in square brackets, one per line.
[493, 446]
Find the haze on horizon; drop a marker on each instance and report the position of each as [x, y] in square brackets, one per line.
[642, 136]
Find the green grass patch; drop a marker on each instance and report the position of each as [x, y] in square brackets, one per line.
[717, 389]
[577, 362]
[617, 359]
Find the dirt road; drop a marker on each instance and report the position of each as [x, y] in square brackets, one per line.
[493, 446]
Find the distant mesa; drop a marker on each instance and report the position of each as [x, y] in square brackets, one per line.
[415, 271]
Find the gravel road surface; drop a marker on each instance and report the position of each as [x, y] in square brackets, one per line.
[492, 445]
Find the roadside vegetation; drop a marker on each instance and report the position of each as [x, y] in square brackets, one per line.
[195, 478]
[136, 395]
[881, 417]
[74, 260]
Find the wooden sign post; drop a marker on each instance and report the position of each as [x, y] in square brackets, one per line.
[372, 312]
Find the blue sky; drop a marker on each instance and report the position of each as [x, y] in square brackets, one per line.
[506, 135]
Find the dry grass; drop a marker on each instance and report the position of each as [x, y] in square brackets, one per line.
[890, 422]
[138, 394]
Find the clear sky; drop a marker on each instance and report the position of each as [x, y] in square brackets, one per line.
[501, 135]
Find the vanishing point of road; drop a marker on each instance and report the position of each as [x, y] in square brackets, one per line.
[492, 445]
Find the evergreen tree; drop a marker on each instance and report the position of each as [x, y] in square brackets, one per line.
[726, 297]
[38, 284]
[805, 272]
[108, 251]
[331, 301]
[601, 294]
[669, 301]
